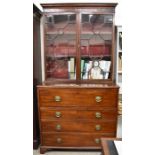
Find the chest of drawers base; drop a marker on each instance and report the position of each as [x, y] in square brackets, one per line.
[76, 117]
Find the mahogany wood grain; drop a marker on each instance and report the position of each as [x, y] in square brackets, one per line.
[43, 150]
[74, 97]
[79, 126]
[49, 84]
[77, 113]
[73, 139]
[79, 118]
[81, 5]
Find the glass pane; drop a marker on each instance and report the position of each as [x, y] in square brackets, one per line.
[60, 50]
[96, 46]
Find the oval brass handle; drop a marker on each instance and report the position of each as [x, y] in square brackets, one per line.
[98, 99]
[57, 98]
[98, 127]
[58, 127]
[59, 140]
[98, 115]
[58, 114]
[97, 140]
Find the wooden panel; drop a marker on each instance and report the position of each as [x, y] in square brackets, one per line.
[74, 97]
[87, 5]
[79, 126]
[96, 114]
[72, 139]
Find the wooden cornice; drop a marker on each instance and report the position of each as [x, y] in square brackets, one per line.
[77, 5]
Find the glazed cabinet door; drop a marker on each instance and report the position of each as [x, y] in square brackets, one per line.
[96, 46]
[60, 46]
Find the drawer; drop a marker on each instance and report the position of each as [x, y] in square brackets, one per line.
[71, 113]
[73, 139]
[78, 126]
[78, 97]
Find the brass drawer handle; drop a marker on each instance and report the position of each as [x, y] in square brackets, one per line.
[57, 98]
[97, 140]
[58, 127]
[59, 140]
[98, 127]
[98, 99]
[58, 114]
[98, 115]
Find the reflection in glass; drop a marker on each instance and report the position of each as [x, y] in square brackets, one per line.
[96, 44]
[60, 35]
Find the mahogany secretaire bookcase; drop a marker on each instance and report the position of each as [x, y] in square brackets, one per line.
[77, 102]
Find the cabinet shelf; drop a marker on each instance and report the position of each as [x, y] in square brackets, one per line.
[119, 57]
[95, 56]
[82, 33]
[98, 57]
[53, 57]
[64, 33]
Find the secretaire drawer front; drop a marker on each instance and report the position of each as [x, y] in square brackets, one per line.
[78, 126]
[82, 97]
[73, 139]
[65, 114]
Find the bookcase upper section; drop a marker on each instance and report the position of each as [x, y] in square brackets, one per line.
[79, 42]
